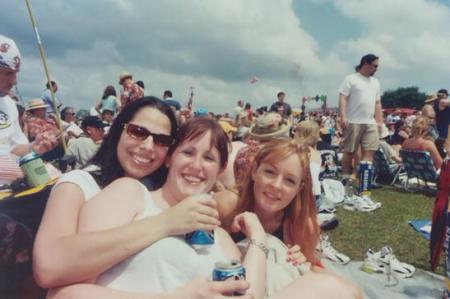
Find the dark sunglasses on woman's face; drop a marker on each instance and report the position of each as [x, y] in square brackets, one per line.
[142, 133]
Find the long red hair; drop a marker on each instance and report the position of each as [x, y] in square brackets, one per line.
[299, 221]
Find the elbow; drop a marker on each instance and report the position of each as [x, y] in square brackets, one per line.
[45, 274]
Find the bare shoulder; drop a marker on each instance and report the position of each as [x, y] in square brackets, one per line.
[123, 193]
[429, 145]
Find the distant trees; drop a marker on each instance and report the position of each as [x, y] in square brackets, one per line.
[403, 97]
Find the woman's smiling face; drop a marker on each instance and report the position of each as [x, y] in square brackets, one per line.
[193, 167]
[276, 184]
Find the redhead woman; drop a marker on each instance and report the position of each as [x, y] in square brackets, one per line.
[136, 147]
[199, 157]
[278, 190]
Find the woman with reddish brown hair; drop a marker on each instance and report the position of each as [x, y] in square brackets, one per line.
[286, 209]
[278, 189]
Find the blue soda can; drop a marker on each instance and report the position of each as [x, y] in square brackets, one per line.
[199, 239]
[232, 270]
[365, 177]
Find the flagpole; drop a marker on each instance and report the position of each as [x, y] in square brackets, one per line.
[47, 74]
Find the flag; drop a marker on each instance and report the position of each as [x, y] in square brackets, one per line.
[253, 80]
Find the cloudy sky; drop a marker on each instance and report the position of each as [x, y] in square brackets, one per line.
[303, 47]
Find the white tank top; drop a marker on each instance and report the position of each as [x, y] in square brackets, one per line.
[165, 265]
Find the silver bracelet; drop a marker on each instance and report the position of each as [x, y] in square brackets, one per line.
[260, 245]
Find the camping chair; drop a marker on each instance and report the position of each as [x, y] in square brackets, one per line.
[418, 164]
[384, 170]
[20, 216]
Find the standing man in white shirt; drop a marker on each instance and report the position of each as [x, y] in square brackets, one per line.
[360, 112]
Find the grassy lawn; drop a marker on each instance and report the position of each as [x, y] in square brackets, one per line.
[358, 231]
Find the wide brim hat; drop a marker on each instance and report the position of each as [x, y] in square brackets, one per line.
[269, 125]
[36, 104]
[429, 99]
[124, 76]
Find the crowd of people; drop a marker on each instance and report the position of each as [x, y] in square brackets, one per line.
[114, 227]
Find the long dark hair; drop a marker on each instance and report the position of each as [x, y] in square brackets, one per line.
[106, 157]
[109, 91]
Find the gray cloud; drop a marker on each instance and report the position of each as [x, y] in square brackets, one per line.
[218, 45]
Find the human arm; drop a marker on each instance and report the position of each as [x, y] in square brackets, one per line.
[434, 153]
[444, 103]
[98, 106]
[402, 133]
[342, 107]
[42, 144]
[378, 112]
[62, 256]
[255, 257]
[199, 288]
[226, 204]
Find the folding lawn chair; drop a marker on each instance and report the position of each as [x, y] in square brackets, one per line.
[384, 170]
[418, 164]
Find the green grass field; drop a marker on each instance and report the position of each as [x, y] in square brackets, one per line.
[358, 231]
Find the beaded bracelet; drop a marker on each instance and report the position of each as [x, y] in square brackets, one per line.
[260, 245]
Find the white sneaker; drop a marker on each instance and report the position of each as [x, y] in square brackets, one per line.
[371, 202]
[356, 203]
[330, 253]
[384, 261]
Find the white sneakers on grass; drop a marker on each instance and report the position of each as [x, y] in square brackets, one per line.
[325, 248]
[360, 203]
[384, 261]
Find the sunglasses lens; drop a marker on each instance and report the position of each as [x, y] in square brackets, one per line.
[137, 132]
[163, 140]
[142, 134]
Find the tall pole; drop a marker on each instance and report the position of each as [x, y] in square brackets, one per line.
[47, 74]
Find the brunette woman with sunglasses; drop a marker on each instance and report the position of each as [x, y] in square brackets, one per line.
[136, 146]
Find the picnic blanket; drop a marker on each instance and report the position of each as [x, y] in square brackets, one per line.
[423, 285]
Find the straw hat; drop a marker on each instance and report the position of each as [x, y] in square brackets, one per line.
[36, 104]
[430, 98]
[124, 76]
[269, 125]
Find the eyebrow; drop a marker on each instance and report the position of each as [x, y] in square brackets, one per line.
[288, 174]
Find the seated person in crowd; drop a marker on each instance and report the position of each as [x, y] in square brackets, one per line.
[391, 154]
[417, 142]
[401, 133]
[85, 147]
[37, 123]
[69, 123]
[266, 127]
